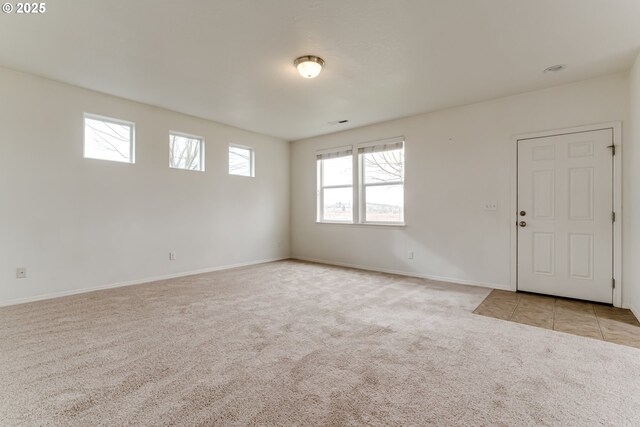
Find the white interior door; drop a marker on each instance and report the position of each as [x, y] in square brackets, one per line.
[565, 214]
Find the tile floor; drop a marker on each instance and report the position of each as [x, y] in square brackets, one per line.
[591, 320]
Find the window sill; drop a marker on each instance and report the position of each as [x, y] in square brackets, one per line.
[364, 224]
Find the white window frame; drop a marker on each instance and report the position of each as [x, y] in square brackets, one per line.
[358, 185]
[252, 160]
[190, 136]
[120, 122]
[321, 187]
[362, 186]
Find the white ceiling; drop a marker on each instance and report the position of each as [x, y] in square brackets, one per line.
[231, 61]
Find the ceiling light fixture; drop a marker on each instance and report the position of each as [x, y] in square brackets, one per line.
[309, 66]
[555, 68]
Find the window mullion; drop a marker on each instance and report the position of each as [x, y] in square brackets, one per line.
[354, 190]
[321, 194]
[361, 193]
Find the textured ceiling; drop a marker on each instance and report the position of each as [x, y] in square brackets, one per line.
[231, 61]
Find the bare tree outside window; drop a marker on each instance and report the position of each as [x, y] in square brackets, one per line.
[186, 152]
[240, 161]
[108, 140]
[385, 166]
[384, 185]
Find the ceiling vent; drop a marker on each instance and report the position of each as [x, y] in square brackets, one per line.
[555, 68]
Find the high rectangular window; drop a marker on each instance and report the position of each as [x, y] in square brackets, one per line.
[241, 161]
[108, 139]
[335, 186]
[376, 169]
[186, 152]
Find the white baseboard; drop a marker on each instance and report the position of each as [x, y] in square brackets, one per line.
[635, 311]
[406, 273]
[132, 282]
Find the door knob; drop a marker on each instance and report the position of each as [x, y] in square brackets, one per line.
[522, 213]
[522, 224]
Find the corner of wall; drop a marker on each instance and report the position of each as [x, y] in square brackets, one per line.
[631, 271]
[290, 252]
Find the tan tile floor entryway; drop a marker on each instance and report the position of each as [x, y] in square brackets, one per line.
[597, 321]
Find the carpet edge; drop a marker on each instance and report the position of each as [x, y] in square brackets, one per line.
[52, 295]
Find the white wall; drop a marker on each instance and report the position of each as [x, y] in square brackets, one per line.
[76, 223]
[632, 193]
[455, 160]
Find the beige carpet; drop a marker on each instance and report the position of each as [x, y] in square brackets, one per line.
[293, 343]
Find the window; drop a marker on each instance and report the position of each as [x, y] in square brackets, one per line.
[186, 152]
[108, 139]
[335, 186]
[379, 174]
[382, 192]
[241, 161]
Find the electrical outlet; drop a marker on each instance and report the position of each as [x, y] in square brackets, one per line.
[172, 256]
[21, 273]
[491, 206]
[410, 255]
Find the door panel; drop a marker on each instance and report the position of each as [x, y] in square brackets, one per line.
[581, 193]
[565, 188]
[543, 253]
[544, 194]
[581, 256]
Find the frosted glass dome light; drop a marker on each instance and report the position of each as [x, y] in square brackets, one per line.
[309, 66]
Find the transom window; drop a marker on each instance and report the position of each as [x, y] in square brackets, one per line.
[377, 169]
[108, 139]
[241, 161]
[186, 152]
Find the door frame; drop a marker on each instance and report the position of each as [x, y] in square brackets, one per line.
[616, 129]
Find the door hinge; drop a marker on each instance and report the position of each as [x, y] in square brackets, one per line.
[613, 217]
[613, 149]
[613, 283]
